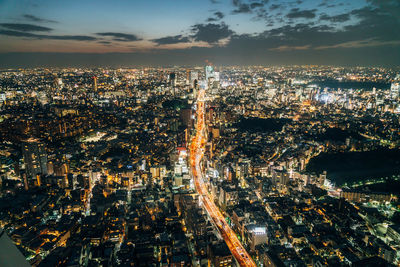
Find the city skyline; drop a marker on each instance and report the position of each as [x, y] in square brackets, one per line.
[200, 133]
[239, 32]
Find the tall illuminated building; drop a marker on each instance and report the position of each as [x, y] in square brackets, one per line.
[193, 82]
[95, 83]
[216, 76]
[172, 81]
[209, 70]
[188, 77]
[395, 87]
[35, 158]
[58, 82]
[212, 77]
[194, 78]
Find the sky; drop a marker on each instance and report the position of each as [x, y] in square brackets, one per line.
[188, 32]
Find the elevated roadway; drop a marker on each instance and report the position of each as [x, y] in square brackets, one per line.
[196, 154]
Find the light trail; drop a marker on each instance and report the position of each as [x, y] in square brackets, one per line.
[196, 153]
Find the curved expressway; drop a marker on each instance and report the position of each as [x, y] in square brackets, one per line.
[196, 153]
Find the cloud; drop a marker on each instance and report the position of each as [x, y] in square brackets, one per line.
[361, 43]
[18, 34]
[210, 33]
[219, 14]
[216, 16]
[289, 48]
[243, 8]
[297, 13]
[337, 18]
[240, 7]
[391, 7]
[120, 37]
[299, 32]
[37, 19]
[48, 37]
[171, 40]
[247, 7]
[25, 27]
[376, 22]
[71, 37]
[261, 13]
[275, 6]
[106, 43]
[255, 5]
[376, 27]
[371, 29]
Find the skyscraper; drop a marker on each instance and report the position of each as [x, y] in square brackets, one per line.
[209, 70]
[212, 77]
[216, 76]
[188, 77]
[35, 158]
[95, 83]
[194, 80]
[186, 116]
[172, 81]
[194, 77]
[395, 87]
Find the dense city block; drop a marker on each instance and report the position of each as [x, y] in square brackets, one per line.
[200, 166]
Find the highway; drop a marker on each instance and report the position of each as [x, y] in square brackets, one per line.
[196, 153]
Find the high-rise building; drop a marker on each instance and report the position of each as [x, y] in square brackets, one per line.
[212, 77]
[280, 177]
[188, 76]
[59, 82]
[216, 76]
[172, 81]
[210, 74]
[95, 83]
[186, 116]
[395, 87]
[35, 158]
[255, 234]
[194, 77]
[219, 255]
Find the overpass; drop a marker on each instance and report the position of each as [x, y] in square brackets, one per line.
[196, 154]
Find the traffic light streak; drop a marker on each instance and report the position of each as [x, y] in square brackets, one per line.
[196, 153]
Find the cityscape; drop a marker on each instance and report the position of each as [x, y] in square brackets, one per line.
[187, 152]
